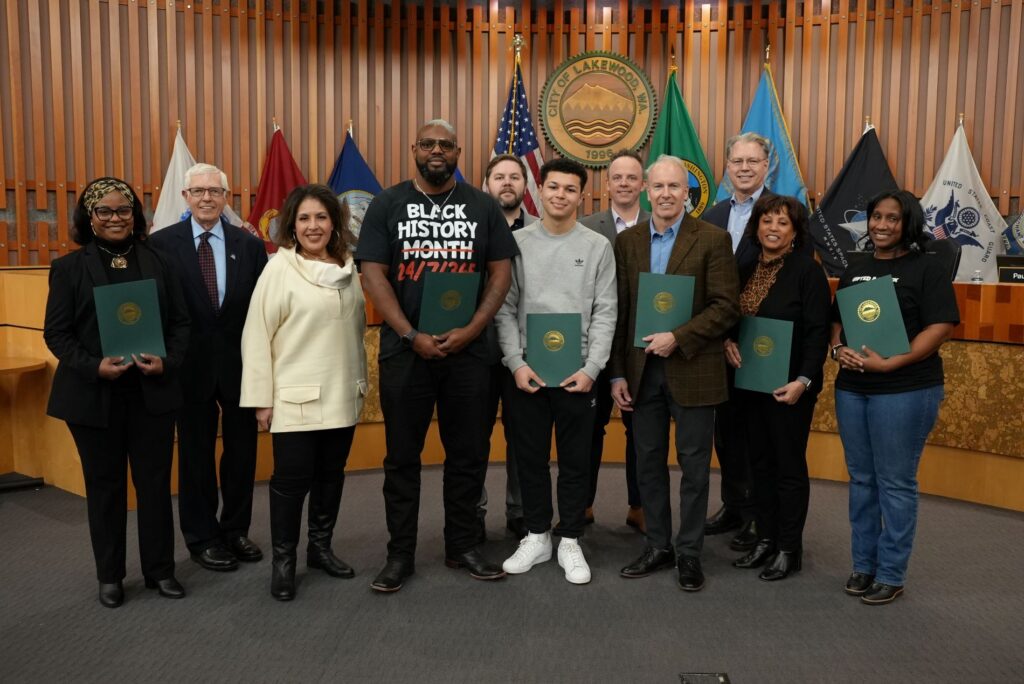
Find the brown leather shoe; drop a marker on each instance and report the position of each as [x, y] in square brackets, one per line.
[635, 518]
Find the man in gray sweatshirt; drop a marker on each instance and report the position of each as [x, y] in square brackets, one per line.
[563, 268]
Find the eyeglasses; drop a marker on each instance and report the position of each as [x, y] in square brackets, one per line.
[748, 162]
[106, 213]
[214, 192]
[428, 144]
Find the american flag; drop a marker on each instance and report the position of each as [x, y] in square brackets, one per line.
[516, 136]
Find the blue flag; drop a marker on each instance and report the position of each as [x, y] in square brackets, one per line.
[765, 118]
[353, 182]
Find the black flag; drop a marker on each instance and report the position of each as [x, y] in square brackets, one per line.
[839, 223]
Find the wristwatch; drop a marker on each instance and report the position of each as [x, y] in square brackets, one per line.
[408, 337]
[805, 380]
[835, 350]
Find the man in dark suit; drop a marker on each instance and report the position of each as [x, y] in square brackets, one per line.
[680, 374]
[747, 161]
[625, 183]
[218, 265]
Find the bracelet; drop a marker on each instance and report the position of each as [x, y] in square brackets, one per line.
[835, 350]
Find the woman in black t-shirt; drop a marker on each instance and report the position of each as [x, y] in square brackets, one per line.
[887, 406]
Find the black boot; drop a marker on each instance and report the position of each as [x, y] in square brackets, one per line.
[324, 502]
[285, 523]
[758, 556]
[782, 566]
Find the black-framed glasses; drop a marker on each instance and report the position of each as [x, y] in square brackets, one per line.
[749, 161]
[106, 213]
[428, 144]
[214, 192]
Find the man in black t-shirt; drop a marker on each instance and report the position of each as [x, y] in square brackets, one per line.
[433, 224]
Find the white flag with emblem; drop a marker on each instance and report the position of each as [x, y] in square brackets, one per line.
[958, 207]
[172, 207]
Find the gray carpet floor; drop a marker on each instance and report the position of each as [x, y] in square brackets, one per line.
[959, 621]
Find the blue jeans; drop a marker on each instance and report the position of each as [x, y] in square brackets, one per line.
[883, 436]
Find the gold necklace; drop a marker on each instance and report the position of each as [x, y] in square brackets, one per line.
[118, 261]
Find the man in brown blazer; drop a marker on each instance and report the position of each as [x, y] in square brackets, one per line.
[680, 375]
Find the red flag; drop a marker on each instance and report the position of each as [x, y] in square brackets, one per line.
[280, 175]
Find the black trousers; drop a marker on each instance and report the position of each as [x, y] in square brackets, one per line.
[778, 455]
[603, 392]
[731, 445]
[146, 441]
[501, 385]
[304, 458]
[197, 470]
[573, 418]
[410, 388]
[695, 426]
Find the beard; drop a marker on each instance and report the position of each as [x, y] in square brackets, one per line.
[436, 177]
[508, 205]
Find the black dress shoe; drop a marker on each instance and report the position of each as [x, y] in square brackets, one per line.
[758, 556]
[723, 521]
[324, 559]
[517, 526]
[879, 594]
[781, 566]
[392, 576]
[859, 583]
[216, 558]
[169, 588]
[746, 538]
[243, 548]
[111, 594]
[691, 578]
[651, 560]
[479, 567]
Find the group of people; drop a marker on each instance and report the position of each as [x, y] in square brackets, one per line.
[279, 346]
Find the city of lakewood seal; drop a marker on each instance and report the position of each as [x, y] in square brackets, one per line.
[554, 340]
[664, 302]
[869, 311]
[451, 300]
[595, 104]
[129, 313]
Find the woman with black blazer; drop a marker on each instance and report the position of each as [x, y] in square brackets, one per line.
[783, 284]
[118, 410]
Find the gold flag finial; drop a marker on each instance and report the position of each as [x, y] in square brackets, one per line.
[961, 118]
[273, 121]
[178, 122]
[867, 120]
[672, 57]
[518, 42]
[768, 52]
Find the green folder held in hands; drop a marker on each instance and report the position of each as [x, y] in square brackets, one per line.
[449, 301]
[871, 316]
[554, 345]
[765, 345]
[663, 303]
[128, 315]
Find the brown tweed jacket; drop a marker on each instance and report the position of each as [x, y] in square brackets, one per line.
[696, 370]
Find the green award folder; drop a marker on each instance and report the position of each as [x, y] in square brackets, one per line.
[871, 316]
[128, 315]
[449, 301]
[765, 344]
[554, 345]
[663, 303]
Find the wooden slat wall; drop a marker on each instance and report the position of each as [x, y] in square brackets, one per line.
[95, 87]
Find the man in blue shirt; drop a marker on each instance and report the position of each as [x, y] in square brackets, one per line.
[680, 374]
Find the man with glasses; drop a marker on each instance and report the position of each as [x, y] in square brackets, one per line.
[425, 225]
[218, 265]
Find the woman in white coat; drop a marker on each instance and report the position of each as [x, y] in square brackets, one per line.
[304, 370]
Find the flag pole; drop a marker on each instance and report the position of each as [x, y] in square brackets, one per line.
[517, 45]
[273, 121]
[349, 128]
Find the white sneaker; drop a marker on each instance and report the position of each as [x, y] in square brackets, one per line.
[570, 558]
[533, 549]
